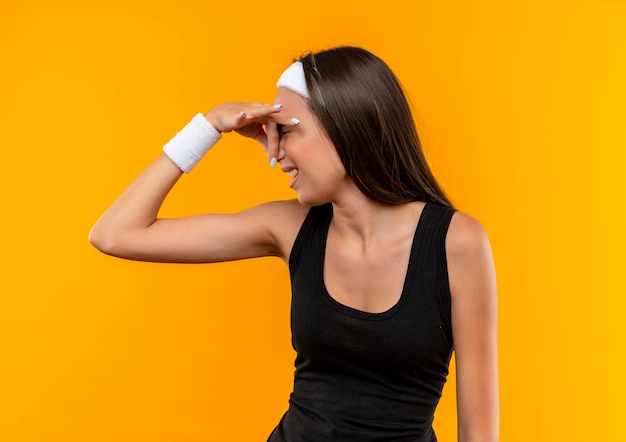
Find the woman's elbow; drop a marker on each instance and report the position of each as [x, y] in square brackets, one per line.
[103, 240]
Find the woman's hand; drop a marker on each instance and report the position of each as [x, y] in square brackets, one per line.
[253, 120]
[247, 119]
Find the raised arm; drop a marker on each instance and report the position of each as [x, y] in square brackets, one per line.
[131, 229]
[474, 326]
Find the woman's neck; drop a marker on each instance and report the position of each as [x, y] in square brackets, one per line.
[360, 219]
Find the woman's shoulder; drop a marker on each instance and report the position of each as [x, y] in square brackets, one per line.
[470, 261]
[284, 211]
[282, 220]
[466, 237]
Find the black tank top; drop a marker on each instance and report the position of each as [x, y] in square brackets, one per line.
[368, 376]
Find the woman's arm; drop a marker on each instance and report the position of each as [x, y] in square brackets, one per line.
[130, 227]
[474, 324]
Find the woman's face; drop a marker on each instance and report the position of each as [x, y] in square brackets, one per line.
[307, 154]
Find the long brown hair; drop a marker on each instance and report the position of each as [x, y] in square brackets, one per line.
[361, 105]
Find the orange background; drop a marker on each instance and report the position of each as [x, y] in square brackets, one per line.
[521, 106]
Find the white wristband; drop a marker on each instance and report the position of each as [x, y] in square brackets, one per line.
[190, 144]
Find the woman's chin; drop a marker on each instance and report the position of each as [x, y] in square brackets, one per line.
[311, 200]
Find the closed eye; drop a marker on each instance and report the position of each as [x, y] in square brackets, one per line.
[279, 128]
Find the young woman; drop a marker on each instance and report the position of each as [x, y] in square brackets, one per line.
[388, 279]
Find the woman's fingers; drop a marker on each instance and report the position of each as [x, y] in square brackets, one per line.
[275, 137]
[227, 117]
[259, 121]
[261, 137]
[273, 141]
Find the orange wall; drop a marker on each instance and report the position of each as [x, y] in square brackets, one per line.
[522, 109]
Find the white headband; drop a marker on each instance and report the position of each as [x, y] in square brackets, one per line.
[293, 79]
